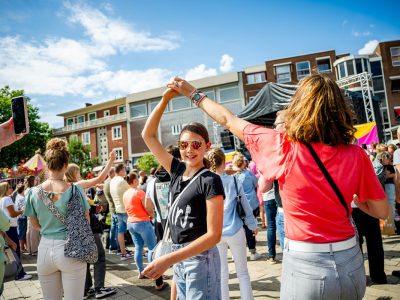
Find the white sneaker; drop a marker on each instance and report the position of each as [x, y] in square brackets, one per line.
[255, 256]
[26, 277]
[127, 256]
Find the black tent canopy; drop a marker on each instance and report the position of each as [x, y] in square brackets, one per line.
[270, 99]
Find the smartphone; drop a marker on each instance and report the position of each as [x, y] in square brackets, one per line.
[20, 115]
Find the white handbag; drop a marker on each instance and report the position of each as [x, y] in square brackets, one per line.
[164, 246]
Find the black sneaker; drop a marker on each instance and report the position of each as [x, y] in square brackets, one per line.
[89, 293]
[103, 292]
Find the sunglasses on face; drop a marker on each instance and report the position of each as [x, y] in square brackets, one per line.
[193, 144]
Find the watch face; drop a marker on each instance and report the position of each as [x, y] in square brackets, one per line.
[196, 96]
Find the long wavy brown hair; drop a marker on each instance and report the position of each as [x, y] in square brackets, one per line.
[319, 113]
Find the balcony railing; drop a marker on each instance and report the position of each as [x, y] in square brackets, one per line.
[90, 123]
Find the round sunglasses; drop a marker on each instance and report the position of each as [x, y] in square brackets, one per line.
[182, 145]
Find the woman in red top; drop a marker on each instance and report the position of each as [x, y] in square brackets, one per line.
[139, 225]
[321, 258]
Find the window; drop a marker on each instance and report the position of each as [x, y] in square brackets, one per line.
[138, 110]
[377, 83]
[381, 97]
[255, 78]
[385, 116]
[180, 103]
[106, 113]
[283, 74]
[73, 137]
[117, 132]
[395, 85]
[210, 94]
[358, 66]
[365, 64]
[395, 53]
[70, 121]
[342, 70]
[81, 119]
[376, 68]
[323, 65]
[121, 109]
[350, 67]
[153, 104]
[176, 129]
[228, 94]
[303, 69]
[86, 138]
[120, 154]
[92, 116]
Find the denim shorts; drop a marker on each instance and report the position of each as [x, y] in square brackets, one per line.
[316, 275]
[198, 277]
[22, 227]
[122, 219]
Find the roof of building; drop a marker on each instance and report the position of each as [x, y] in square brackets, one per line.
[93, 108]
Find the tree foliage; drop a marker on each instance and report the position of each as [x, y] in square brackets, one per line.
[80, 155]
[146, 162]
[39, 132]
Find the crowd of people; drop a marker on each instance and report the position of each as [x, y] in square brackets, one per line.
[310, 182]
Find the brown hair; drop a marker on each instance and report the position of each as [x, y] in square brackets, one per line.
[238, 160]
[20, 188]
[70, 174]
[385, 155]
[319, 113]
[56, 155]
[131, 177]
[216, 157]
[29, 181]
[119, 168]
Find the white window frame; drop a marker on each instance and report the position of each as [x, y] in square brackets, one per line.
[114, 137]
[171, 103]
[227, 88]
[297, 70]
[324, 58]
[92, 113]
[106, 112]
[138, 104]
[87, 133]
[391, 57]
[73, 136]
[121, 159]
[176, 129]
[255, 76]
[119, 108]
[290, 72]
[77, 119]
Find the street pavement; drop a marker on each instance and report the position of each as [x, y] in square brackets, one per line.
[265, 278]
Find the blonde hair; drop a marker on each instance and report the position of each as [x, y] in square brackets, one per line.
[319, 113]
[56, 155]
[381, 148]
[392, 146]
[216, 157]
[238, 160]
[3, 188]
[70, 174]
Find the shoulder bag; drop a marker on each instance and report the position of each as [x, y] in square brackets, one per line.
[239, 208]
[80, 242]
[164, 246]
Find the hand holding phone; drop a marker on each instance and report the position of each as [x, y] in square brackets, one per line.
[20, 115]
[7, 133]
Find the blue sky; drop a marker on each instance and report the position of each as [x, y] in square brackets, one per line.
[66, 53]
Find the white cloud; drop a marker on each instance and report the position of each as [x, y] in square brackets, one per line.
[200, 72]
[225, 64]
[110, 35]
[369, 47]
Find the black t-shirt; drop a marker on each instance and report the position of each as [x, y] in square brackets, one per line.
[188, 221]
[389, 168]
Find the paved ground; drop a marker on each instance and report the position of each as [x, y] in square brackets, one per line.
[265, 278]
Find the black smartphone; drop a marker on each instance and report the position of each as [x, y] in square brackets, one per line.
[20, 115]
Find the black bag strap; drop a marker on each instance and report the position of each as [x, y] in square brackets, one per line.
[237, 190]
[328, 178]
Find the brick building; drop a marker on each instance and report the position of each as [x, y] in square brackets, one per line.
[103, 126]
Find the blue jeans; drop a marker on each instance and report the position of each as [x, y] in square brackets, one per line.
[198, 277]
[280, 227]
[22, 227]
[122, 222]
[315, 275]
[270, 212]
[114, 233]
[142, 233]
